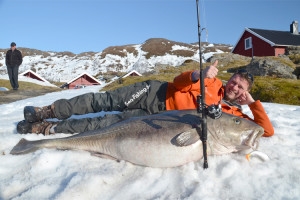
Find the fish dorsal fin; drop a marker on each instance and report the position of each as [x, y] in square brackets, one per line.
[186, 138]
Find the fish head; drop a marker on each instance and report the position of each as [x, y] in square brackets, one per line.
[230, 133]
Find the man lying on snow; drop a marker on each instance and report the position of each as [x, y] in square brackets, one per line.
[146, 98]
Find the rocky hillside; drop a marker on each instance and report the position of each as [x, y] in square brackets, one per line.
[146, 57]
[63, 66]
[271, 66]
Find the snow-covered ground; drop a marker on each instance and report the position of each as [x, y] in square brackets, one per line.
[54, 174]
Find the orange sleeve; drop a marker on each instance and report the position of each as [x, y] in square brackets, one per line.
[184, 83]
[261, 118]
[182, 92]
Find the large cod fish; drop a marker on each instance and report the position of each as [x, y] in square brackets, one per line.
[168, 139]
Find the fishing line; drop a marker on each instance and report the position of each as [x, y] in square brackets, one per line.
[204, 20]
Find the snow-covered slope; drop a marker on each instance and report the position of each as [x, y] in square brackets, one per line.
[65, 175]
[63, 66]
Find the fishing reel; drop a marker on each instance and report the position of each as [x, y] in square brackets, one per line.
[213, 111]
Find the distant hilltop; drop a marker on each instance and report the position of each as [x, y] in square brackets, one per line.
[62, 66]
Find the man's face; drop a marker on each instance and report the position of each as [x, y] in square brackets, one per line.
[13, 47]
[236, 87]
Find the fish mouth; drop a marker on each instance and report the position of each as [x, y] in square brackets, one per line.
[251, 139]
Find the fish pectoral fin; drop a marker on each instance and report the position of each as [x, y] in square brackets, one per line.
[185, 138]
[105, 156]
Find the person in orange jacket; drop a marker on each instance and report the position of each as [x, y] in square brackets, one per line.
[145, 98]
[183, 92]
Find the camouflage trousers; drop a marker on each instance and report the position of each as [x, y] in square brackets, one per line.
[142, 98]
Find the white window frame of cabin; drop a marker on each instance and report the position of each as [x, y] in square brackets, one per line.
[248, 43]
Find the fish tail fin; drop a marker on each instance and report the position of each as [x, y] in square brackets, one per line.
[24, 146]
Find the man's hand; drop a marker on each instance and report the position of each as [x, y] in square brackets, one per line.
[245, 98]
[209, 72]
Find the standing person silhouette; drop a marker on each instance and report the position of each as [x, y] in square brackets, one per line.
[13, 60]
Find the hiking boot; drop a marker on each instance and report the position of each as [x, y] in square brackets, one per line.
[43, 127]
[38, 114]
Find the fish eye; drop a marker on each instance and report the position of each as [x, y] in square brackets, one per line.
[236, 120]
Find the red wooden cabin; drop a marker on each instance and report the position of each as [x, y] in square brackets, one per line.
[81, 81]
[260, 42]
[31, 74]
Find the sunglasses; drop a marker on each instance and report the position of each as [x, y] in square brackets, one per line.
[245, 74]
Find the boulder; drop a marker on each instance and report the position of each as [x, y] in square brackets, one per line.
[268, 66]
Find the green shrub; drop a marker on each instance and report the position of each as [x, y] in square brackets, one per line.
[295, 58]
[277, 90]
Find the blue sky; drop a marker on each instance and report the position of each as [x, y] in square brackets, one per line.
[93, 25]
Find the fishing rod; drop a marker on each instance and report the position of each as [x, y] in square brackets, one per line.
[201, 97]
[213, 111]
